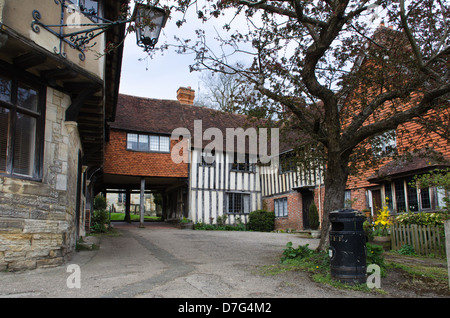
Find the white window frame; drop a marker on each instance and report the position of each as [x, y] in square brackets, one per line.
[281, 207]
[163, 143]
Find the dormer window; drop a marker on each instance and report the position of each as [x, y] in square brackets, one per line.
[384, 145]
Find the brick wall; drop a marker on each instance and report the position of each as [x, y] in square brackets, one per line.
[294, 220]
[119, 160]
[410, 136]
[406, 142]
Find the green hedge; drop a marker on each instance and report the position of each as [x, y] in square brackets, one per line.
[422, 218]
[261, 220]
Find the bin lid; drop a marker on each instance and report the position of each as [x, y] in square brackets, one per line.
[346, 214]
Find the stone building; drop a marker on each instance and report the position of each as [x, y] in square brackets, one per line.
[55, 102]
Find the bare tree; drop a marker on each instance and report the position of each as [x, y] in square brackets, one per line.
[219, 91]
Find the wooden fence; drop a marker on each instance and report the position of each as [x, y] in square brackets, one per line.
[426, 239]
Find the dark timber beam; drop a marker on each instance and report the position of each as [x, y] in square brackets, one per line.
[58, 74]
[74, 109]
[28, 60]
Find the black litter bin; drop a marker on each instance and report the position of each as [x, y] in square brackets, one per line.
[347, 246]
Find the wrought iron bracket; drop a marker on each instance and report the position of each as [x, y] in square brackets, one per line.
[78, 40]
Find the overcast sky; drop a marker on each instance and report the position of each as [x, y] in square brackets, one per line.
[161, 76]
[158, 77]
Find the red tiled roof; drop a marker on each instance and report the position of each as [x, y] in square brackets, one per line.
[410, 164]
[163, 116]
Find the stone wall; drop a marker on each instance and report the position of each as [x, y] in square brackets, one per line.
[37, 219]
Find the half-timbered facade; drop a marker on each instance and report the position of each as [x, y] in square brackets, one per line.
[222, 185]
[289, 188]
[223, 188]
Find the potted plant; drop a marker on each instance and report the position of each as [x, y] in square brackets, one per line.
[381, 233]
[314, 223]
[186, 224]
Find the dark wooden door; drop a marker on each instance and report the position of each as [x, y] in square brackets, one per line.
[307, 199]
[376, 201]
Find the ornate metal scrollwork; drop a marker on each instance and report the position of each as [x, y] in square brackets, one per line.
[35, 24]
[76, 40]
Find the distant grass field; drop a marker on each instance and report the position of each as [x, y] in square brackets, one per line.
[134, 217]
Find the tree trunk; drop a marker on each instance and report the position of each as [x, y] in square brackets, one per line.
[335, 183]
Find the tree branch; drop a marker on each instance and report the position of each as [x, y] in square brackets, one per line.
[307, 124]
[392, 122]
[378, 101]
[409, 35]
[273, 9]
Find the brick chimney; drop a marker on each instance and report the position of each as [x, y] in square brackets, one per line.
[186, 95]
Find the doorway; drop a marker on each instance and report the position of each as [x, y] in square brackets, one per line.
[307, 199]
[376, 201]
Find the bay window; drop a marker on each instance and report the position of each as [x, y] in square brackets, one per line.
[403, 196]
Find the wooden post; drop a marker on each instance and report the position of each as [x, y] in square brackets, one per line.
[127, 206]
[142, 202]
[447, 246]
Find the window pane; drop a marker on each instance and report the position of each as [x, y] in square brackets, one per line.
[412, 196]
[388, 194]
[143, 142]
[154, 143]
[132, 141]
[425, 198]
[89, 6]
[164, 144]
[280, 207]
[385, 144]
[235, 202]
[246, 203]
[27, 97]
[400, 196]
[4, 128]
[347, 199]
[5, 89]
[24, 145]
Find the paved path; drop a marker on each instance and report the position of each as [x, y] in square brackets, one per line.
[161, 261]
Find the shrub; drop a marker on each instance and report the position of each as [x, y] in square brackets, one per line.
[299, 252]
[98, 221]
[216, 227]
[313, 217]
[368, 229]
[99, 203]
[261, 220]
[374, 256]
[421, 218]
[383, 222]
[407, 249]
[100, 217]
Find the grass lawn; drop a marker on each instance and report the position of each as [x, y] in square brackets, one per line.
[134, 217]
